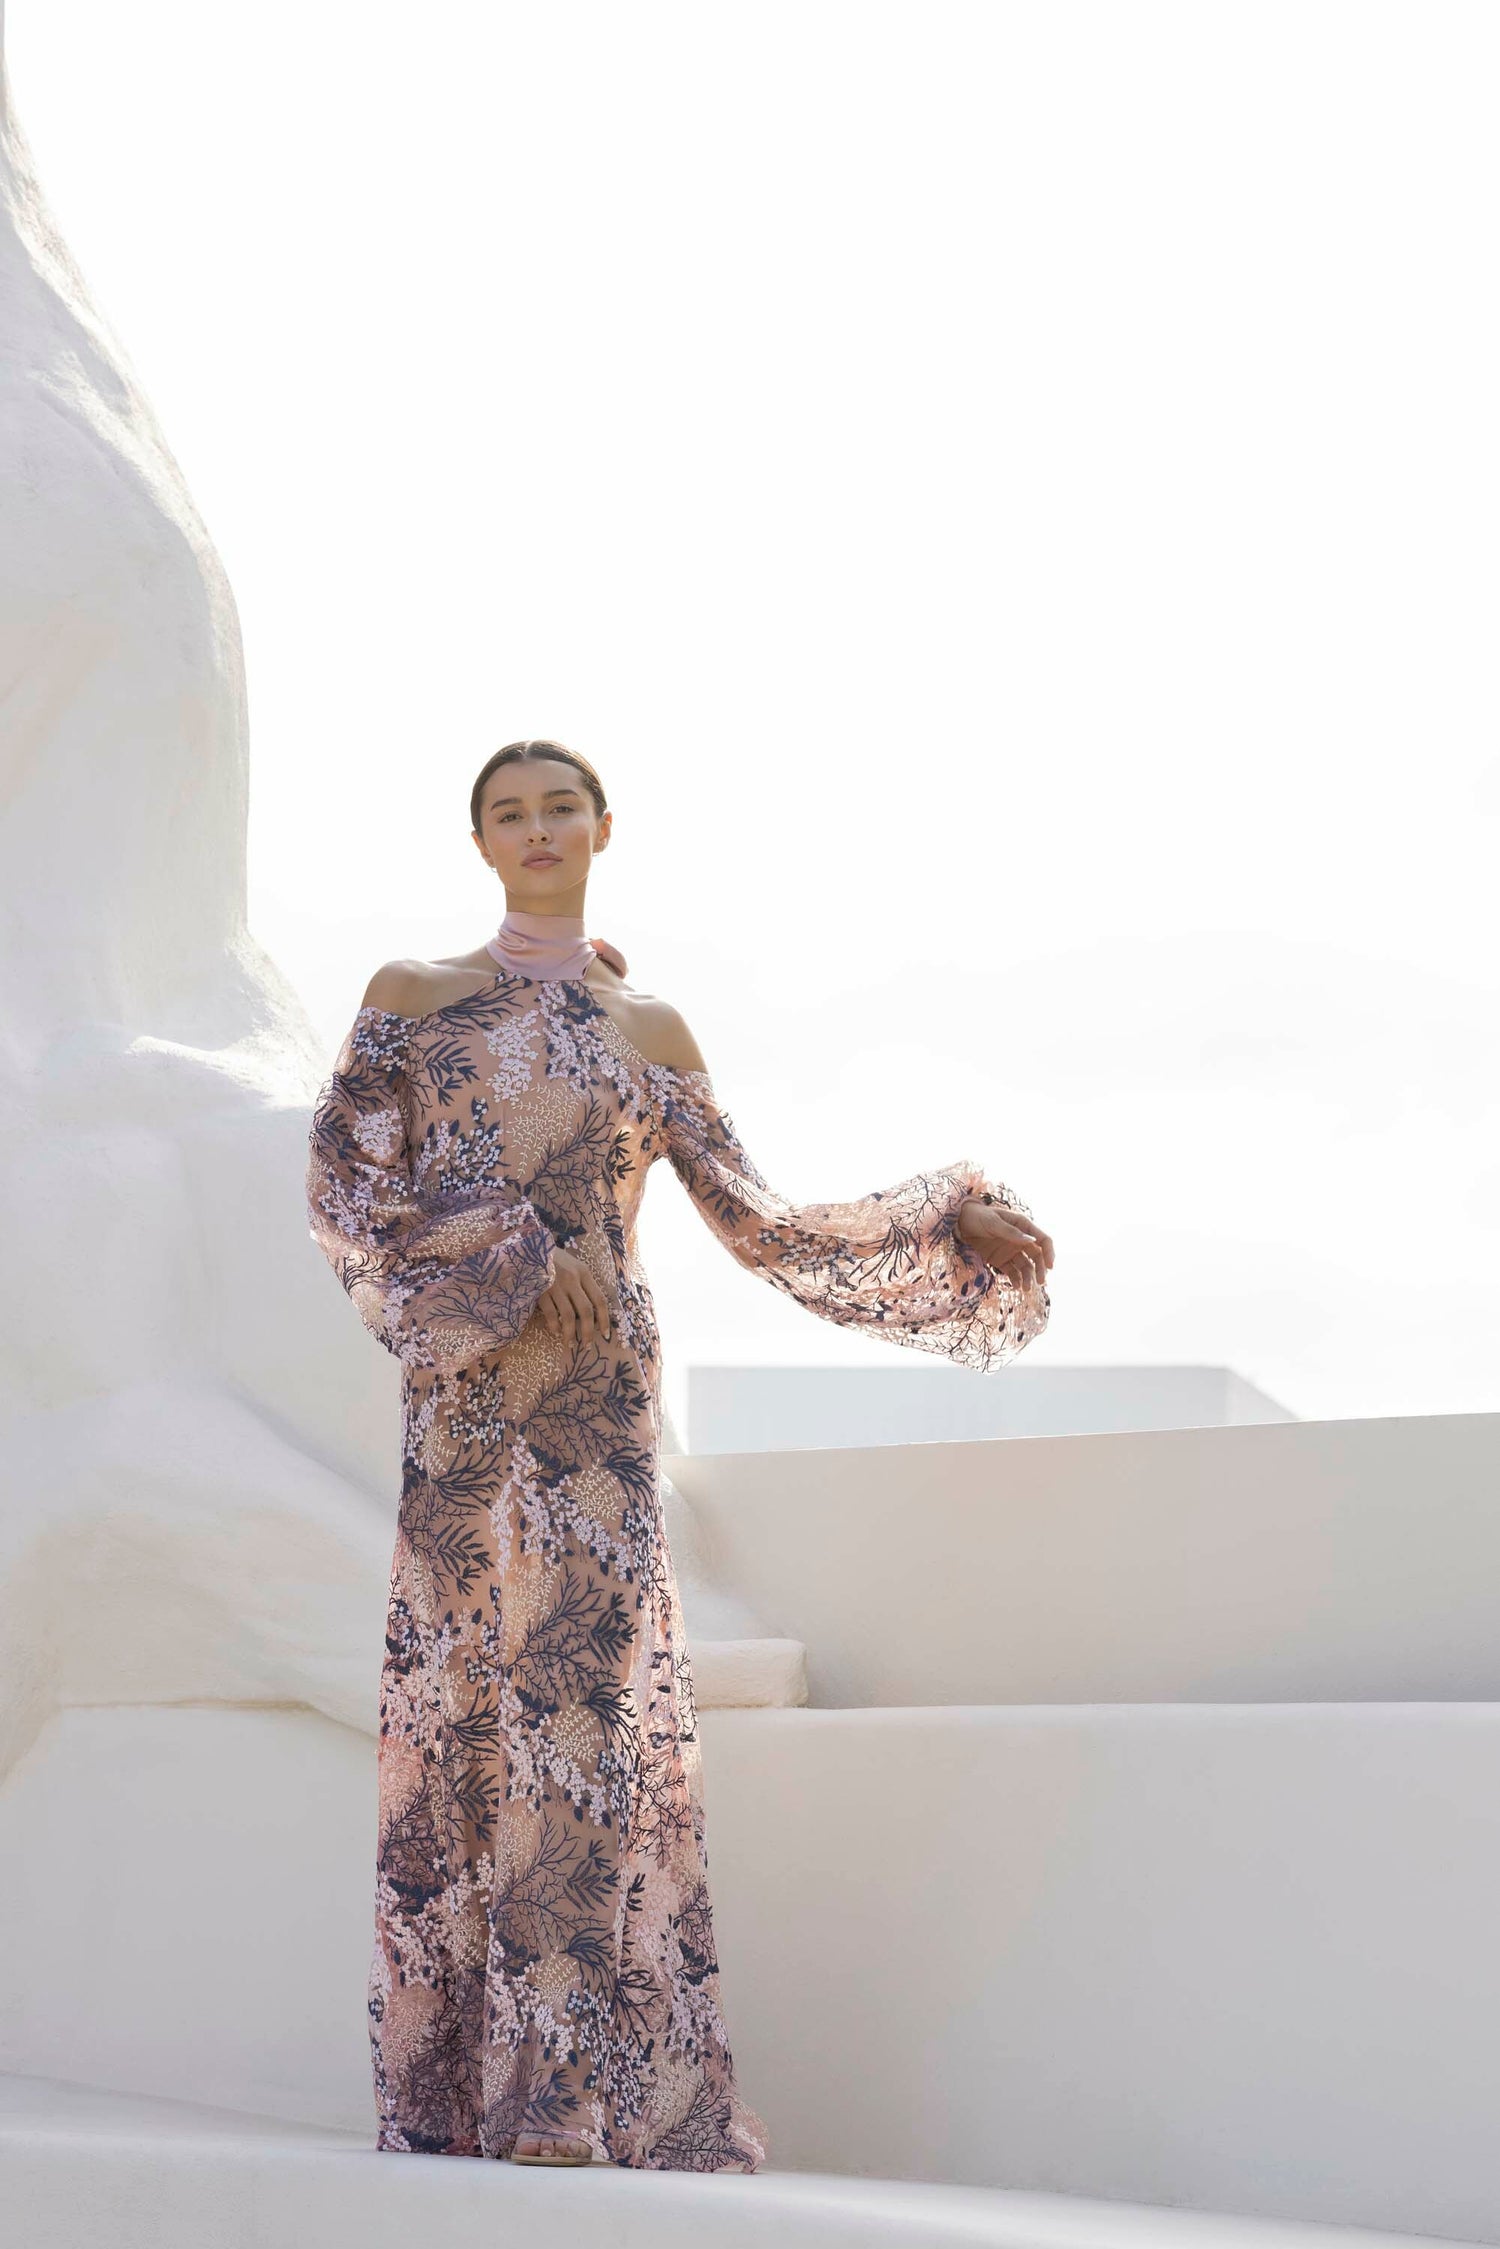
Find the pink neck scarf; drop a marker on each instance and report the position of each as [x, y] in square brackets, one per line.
[545, 946]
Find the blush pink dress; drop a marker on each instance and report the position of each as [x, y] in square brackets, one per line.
[544, 1947]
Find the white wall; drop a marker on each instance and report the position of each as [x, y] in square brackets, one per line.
[787, 1409]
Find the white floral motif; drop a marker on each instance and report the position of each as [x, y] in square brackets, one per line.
[534, 1757]
[380, 1132]
[514, 1040]
[551, 1519]
[579, 1052]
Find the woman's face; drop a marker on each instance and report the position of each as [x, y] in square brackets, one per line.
[538, 830]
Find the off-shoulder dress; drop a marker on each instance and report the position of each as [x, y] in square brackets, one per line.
[544, 1951]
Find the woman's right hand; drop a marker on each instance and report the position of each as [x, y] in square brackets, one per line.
[575, 1307]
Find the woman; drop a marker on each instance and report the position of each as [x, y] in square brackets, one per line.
[544, 1984]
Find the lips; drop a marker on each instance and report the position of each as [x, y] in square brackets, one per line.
[541, 859]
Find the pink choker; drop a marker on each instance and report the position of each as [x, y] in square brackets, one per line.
[547, 946]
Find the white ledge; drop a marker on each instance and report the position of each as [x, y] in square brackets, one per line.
[82, 2165]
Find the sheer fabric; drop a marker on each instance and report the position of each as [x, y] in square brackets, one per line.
[544, 1950]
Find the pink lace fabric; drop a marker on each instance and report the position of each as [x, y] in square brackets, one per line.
[544, 1950]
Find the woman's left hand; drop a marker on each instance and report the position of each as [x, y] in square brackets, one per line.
[1010, 1243]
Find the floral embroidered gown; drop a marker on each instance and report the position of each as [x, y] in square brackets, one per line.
[544, 1951]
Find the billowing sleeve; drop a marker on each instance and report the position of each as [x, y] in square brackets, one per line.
[890, 1263]
[440, 1275]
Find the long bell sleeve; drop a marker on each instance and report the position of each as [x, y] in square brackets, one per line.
[440, 1274]
[890, 1263]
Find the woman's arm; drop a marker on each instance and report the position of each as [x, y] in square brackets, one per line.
[440, 1277]
[913, 1262]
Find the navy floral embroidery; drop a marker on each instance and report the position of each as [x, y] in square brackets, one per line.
[544, 1955]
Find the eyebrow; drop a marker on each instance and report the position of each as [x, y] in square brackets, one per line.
[567, 790]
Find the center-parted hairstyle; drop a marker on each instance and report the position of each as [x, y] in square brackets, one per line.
[513, 751]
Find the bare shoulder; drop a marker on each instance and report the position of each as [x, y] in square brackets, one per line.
[671, 1040]
[411, 987]
[659, 1030]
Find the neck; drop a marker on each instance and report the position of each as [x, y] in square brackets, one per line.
[541, 945]
[543, 925]
[560, 904]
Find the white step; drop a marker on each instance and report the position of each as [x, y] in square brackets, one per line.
[1301, 1561]
[1225, 1957]
[81, 2169]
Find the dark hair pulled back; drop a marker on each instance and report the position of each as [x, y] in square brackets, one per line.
[513, 752]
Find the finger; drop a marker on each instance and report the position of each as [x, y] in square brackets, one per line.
[584, 1293]
[1034, 1236]
[1028, 1229]
[1013, 1245]
[601, 1305]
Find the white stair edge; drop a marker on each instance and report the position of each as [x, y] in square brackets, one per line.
[83, 2165]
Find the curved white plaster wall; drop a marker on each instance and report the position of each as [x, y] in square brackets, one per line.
[144, 1032]
[122, 855]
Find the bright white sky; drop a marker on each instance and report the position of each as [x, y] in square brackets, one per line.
[1006, 495]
